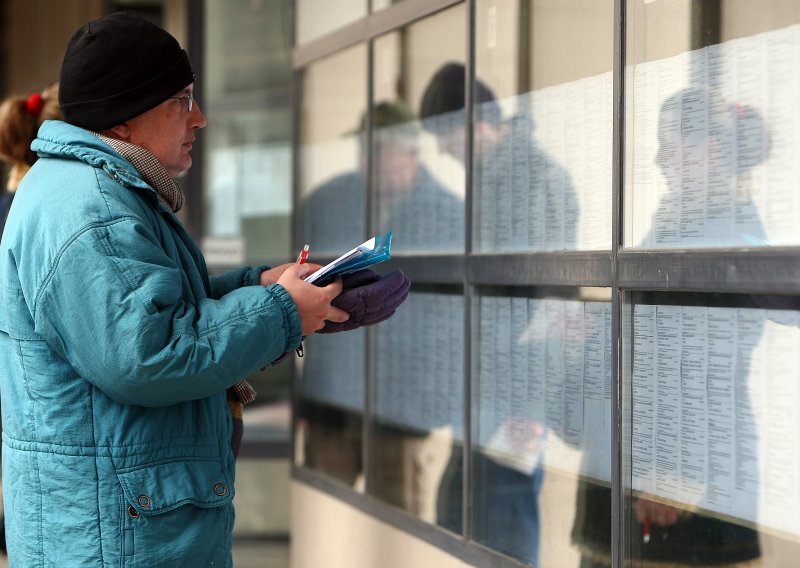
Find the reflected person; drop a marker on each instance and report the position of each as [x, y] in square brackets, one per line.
[423, 214]
[660, 532]
[524, 198]
[707, 149]
[507, 515]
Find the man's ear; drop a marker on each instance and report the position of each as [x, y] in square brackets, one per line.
[120, 132]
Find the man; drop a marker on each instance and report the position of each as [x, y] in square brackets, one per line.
[423, 214]
[506, 495]
[116, 348]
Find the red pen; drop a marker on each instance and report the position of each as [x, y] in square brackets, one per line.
[303, 255]
[646, 530]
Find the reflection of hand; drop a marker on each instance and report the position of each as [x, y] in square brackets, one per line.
[525, 437]
[518, 443]
[532, 432]
[657, 513]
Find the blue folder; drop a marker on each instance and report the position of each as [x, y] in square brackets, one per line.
[373, 251]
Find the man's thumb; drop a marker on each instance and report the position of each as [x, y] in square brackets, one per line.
[302, 270]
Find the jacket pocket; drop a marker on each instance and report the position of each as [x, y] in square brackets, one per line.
[177, 513]
[159, 488]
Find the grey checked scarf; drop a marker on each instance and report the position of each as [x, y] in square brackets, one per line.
[171, 196]
[152, 171]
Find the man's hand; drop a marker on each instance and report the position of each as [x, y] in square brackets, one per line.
[272, 275]
[313, 302]
[658, 513]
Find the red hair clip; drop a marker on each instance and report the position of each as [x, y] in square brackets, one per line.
[34, 105]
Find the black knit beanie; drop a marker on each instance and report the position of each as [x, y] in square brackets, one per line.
[118, 67]
[445, 93]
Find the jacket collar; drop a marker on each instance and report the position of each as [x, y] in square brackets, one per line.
[151, 170]
[58, 139]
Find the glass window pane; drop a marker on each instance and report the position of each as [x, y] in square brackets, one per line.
[331, 179]
[543, 125]
[420, 183]
[329, 412]
[715, 434]
[418, 428]
[713, 125]
[248, 197]
[542, 425]
[315, 19]
[247, 142]
[247, 47]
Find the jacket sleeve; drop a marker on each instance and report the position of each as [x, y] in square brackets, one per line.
[236, 278]
[114, 306]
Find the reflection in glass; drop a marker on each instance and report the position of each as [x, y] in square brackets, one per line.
[419, 405]
[330, 405]
[423, 213]
[247, 50]
[542, 399]
[715, 137]
[715, 441]
[543, 170]
[248, 191]
[247, 146]
[332, 177]
[542, 126]
[420, 187]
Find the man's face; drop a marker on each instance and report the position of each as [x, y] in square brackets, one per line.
[453, 142]
[168, 131]
[397, 166]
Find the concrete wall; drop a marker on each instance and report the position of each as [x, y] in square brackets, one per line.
[327, 532]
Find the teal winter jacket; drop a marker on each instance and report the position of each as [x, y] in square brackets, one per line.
[116, 349]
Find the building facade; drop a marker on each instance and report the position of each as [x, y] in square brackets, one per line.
[597, 204]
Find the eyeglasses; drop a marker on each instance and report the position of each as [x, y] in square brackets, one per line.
[188, 98]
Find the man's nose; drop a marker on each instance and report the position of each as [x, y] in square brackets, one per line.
[198, 119]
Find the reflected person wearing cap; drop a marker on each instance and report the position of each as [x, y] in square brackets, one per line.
[121, 360]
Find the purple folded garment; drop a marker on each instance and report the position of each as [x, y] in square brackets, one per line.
[369, 298]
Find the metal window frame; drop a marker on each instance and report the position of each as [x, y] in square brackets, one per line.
[468, 401]
[620, 269]
[194, 183]
[618, 511]
[367, 28]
